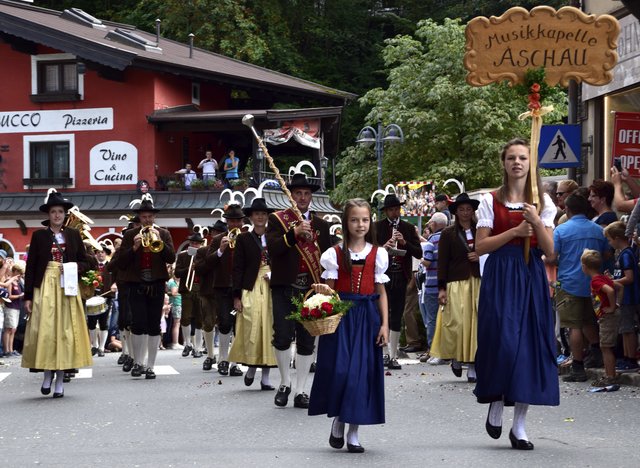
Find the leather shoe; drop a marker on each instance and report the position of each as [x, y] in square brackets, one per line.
[121, 359]
[150, 375]
[66, 378]
[128, 364]
[196, 353]
[94, 350]
[385, 360]
[393, 364]
[247, 380]
[355, 448]
[336, 442]
[58, 394]
[457, 371]
[312, 369]
[494, 431]
[206, 365]
[46, 391]
[266, 387]
[519, 444]
[187, 350]
[282, 396]
[301, 401]
[137, 371]
[100, 353]
[235, 371]
[223, 367]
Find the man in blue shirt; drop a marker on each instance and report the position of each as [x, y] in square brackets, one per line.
[573, 299]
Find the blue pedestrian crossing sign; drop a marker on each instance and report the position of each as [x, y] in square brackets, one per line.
[559, 146]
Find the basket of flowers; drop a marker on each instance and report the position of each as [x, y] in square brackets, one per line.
[320, 314]
[88, 284]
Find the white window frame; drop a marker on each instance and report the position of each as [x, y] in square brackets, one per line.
[195, 100]
[36, 59]
[26, 146]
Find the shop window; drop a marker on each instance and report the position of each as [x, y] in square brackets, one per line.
[49, 161]
[56, 77]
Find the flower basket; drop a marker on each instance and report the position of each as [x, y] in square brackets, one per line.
[89, 282]
[320, 314]
[87, 291]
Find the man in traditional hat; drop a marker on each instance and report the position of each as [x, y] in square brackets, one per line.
[402, 242]
[214, 264]
[294, 247]
[145, 272]
[189, 290]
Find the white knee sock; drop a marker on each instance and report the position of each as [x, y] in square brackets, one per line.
[265, 376]
[394, 340]
[125, 343]
[103, 339]
[198, 339]
[352, 435]
[139, 343]
[225, 339]
[208, 342]
[337, 428]
[519, 419]
[59, 381]
[284, 358]
[92, 337]
[303, 364]
[186, 335]
[495, 413]
[48, 377]
[471, 371]
[153, 343]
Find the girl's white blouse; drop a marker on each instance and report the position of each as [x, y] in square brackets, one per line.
[486, 216]
[330, 263]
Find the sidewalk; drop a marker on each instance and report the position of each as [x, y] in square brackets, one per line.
[631, 378]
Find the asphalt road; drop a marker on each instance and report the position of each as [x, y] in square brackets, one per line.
[196, 418]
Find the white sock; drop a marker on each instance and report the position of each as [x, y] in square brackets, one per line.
[303, 364]
[225, 339]
[198, 340]
[153, 344]
[59, 381]
[251, 373]
[471, 371]
[352, 435]
[394, 340]
[103, 339]
[186, 335]
[265, 376]
[92, 337]
[208, 342]
[519, 419]
[495, 413]
[125, 343]
[139, 343]
[337, 428]
[284, 358]
[48, 376]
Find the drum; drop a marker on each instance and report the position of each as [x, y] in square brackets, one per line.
[96, 305]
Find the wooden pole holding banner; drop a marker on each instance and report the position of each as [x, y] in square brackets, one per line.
[565, 45]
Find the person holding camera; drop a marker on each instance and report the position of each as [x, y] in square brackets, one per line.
[209, 166]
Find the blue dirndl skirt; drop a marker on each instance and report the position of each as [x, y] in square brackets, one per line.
[515, 359]
[349, 378]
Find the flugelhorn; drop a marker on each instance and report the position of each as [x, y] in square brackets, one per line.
[232, 236]
[151, 240]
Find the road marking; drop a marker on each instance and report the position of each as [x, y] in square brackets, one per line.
[165, 370]
[84, 373]
[4, 375]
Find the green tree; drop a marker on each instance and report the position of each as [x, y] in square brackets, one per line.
[451, 129]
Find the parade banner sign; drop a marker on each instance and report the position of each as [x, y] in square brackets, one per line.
[113, 163]
[567, 43]
[625, 153]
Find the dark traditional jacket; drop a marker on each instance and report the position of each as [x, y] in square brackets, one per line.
[453, 264]
[214, 271]
[246, 262]
[183, 262]
[107, 279]
[281, 243]
[40, 255]
[383, 232]
[129, 261]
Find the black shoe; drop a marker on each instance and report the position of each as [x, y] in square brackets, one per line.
[385, 360]
[494, 431]
[196, 354]
[214, 360]
[266, 387]
[137, 370]
[46, 391]
[186, 350]
[206, 365]
[472, 379]
[235, 372]
[66, 378]
[336, 442]
[100, 353]
[128, 364]
[94, 350]
[205, 351]
[393, 364]
[282, 396]
[122, 358]
[223, 367]
[301, 401]
[58, 395]
[355, 448]
[312, 369]
[247, 380]
[150, 375]
[457, 371]
[519, 444]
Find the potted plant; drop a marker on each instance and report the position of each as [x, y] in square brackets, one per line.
[174, 185]
[197, 184]
[215, 184]
[238, 184]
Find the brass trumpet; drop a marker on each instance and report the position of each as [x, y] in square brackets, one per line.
[151, 240]
[233, 237]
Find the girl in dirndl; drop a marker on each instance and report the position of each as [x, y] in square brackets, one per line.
[252, 298]
[516, 339]
[56, 338]
[349, 380]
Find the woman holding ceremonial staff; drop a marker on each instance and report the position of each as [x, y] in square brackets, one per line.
[515, 360]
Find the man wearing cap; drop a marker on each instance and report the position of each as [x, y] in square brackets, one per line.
[214, 264]
[402, 242]
[189, 290]
[145, 273]
[442, 206]
[294, 247]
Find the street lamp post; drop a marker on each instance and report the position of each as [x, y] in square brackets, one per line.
[392, 133]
